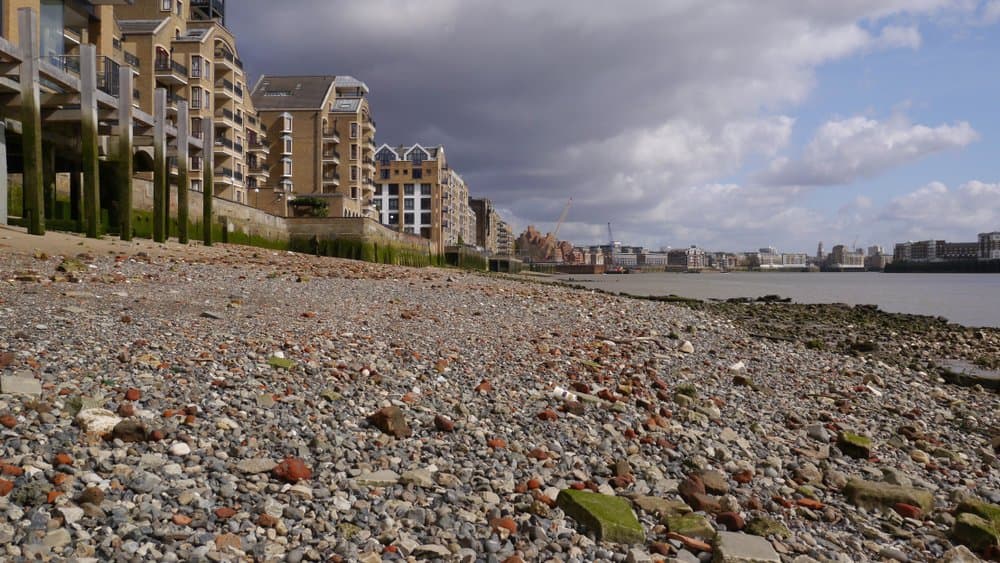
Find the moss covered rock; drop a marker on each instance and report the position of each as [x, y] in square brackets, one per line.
[280, 363]
[855, 445]
[975, 531]
[610, 518]
[690, 525]
[870, 494]
[767, 527]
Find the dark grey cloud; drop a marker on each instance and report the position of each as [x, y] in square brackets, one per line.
[624, 106]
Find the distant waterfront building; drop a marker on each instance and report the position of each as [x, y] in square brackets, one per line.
[691, 259]
[487, 222]
[876, 259]
[820, 255]
[989, 246]
[841, 259]
[937, 251]
[417, 192]
[505, 238]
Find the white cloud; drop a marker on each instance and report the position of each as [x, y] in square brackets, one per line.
[894, 36]
[991, 12]
[937, 211]
[859, 147]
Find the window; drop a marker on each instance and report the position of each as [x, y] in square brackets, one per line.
[407, 218]
[394, 204]
[196, 185]
[197, 128]
[288, 145]
[195, 97]
[417, 174]
[418, 156]
[354, 173]
[408, 204]
[385, 156]
[425, 218]
[394, 189]
[384, 174]
[354, 130]
[354, 192]
[195, 163]
[166, 5]
[425, 203]
[180, 7]
[393, 219]
[208, 70]
[378, 189]
[287, 164]
[425, 189]
[408, 189]
[354, 152]
[195, 66]
[286, 123]
[425, 232]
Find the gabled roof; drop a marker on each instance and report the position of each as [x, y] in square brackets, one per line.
[144, 27]
[292, 92]
[350, 82]
[385, 146]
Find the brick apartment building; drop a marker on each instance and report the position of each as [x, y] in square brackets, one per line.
[322, 142]
[186, 48]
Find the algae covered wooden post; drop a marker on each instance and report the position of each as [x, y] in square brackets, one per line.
[160, 177]
[125, 140]
[183, 181]
[88, 128]
[208, 179]
[4, 191]
[31, 122]
[49, 179]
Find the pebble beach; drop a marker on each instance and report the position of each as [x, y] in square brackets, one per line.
[182, 403]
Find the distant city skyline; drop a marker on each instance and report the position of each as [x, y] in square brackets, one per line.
[782, 123]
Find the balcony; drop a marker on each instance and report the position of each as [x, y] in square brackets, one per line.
[225, 89]
[169, 71]
[331, 156]
[370, 126]
[225, 59]
[132, 60]
[258, 170]
[331, 177]
[225, 117]
[173, 99]
[330, 134]
[225, 146]
[255, 146]
[225, 176]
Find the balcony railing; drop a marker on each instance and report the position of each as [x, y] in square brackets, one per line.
[67, 63]
[164, 64]
[173, 99]
[223, 172]
[331, 176]
[227, 56]
[132, 60]
[223, 142]
[107, 75]
[330, 133]
[331, 154]
[229, 87]
[238, 148]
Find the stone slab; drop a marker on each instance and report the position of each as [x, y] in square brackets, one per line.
[731, 547]
[20, 385]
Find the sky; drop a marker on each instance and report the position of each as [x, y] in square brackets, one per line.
[731, 125]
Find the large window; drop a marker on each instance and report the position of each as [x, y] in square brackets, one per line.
[407, 189]
[408, 204]
[394, 204]
[166, 5]
[407, 218]
[354, 130]
[385, 156]
[417, 174]
[418, 156]
[195, 66]
[425, 218]
[394, 189]
[425, 189]
[354, 151]
[195, 97]
[354, 173]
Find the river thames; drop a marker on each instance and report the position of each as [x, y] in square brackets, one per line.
[967, 299]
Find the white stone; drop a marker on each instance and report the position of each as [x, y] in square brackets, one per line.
[687, 347]
[738, 366]
[384, 478]
[97, 421]
[20, 385]
[742, 548]
[180, 449]
[71, 514]
[418, 477]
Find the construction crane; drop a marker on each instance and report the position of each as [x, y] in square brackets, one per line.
[555, 235]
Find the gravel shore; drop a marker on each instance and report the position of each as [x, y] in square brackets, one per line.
[217, 404]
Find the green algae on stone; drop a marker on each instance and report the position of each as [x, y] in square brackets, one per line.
[870, 494]
[691, 525]
[767, 527]
[975, 532]
[280, 363]
[610, 518]
[855, 445]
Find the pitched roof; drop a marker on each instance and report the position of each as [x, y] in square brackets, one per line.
[345, 81]
[291, 92]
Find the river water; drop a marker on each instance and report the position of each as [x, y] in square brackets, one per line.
[967, 299]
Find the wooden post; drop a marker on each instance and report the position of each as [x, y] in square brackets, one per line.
[125, 140]
[208, 179]
[76, 195]
[183, 180]
[4, 192]
[160, 172]
[88, 129]
[31, 122]
[49, 180]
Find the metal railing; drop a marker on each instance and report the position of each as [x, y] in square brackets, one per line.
[107, 75]
[226, 55]
[164, 64]
[67, 63]
[227, 86]
[131, 59]
[223, 142]
[329, 176]
[223, 172]
[173, 99]
[238, 148]
[331, 154]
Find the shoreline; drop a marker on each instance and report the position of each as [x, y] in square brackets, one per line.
[273, 405]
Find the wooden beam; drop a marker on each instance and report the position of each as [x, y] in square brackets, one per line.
[124, 149]
[88, 130]
[183, 181]
[31, 122]
[160, 175]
